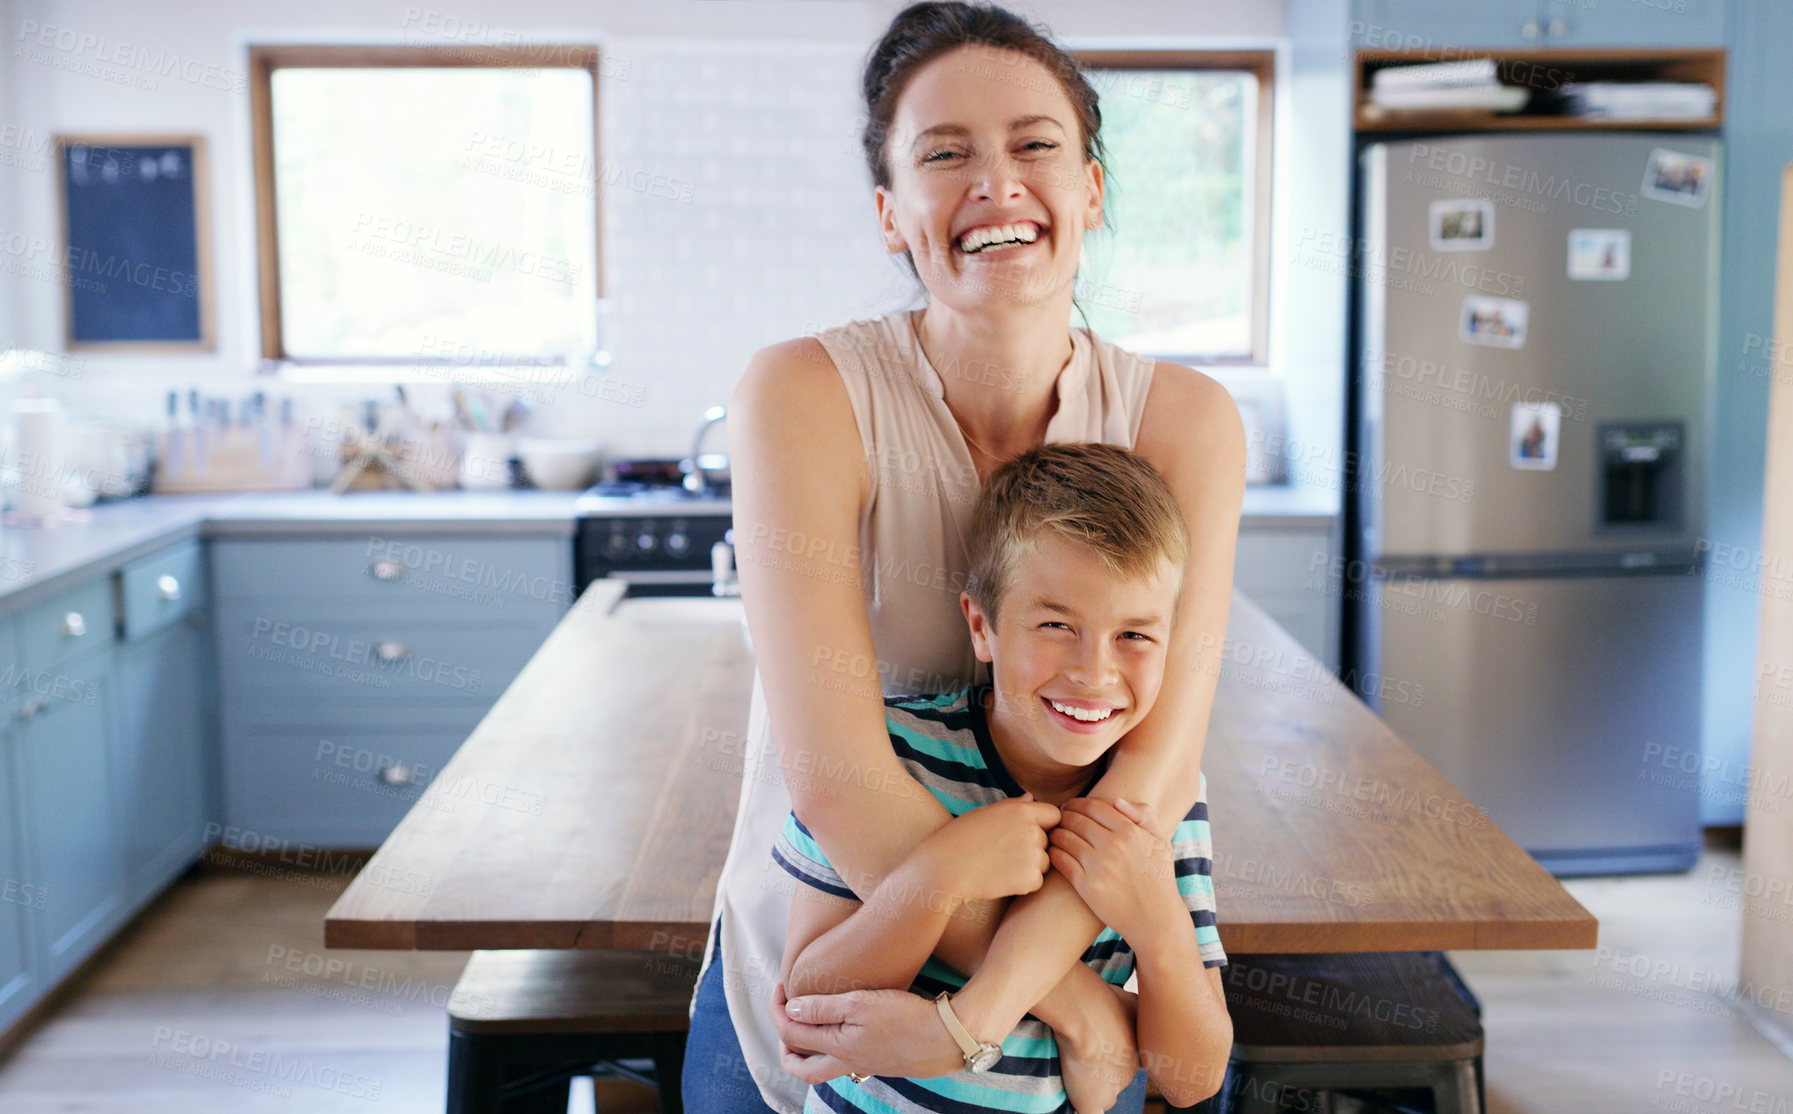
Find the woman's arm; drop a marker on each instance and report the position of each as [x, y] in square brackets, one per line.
[834, 944]
[1192, 435]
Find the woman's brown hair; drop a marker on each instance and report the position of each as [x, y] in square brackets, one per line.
[922, 32]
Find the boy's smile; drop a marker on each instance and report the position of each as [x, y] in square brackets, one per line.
[1077, 659]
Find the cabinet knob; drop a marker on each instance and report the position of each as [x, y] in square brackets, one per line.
[386, 570]
[31, 707]
[168, 588]
[398, 774]
[1558, 27]
[73, 625]
[1531, 29]
[392, 650]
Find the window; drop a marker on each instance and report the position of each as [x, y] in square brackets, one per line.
[1181, 270]
[422, 206]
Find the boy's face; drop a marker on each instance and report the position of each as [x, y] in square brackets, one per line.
[1077, 651]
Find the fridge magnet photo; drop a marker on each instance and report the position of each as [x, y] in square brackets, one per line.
[1600, 254]
[1462, 224]
[1498, 322]
[1677, 178]
[1532, 442]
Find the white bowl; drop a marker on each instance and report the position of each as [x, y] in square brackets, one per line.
[560, 463]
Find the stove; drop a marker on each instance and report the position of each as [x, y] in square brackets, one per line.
[657, 537]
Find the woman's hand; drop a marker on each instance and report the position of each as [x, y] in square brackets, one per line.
[873, 1032]
[1098, 1062]
[1115, 854]
[993, 852]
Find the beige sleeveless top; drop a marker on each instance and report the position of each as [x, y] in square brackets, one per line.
[912, 533]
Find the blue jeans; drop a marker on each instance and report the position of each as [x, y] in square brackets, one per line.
[716, 1078]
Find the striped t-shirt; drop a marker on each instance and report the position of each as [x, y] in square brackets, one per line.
[944, 743]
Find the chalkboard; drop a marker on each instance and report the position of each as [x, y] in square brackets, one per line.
[135, 242]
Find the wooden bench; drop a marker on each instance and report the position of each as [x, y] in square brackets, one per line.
[1351, 1022]
[521, 1024]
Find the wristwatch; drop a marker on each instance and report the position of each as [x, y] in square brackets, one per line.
[979, 1055]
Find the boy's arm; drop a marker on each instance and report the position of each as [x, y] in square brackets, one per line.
[1185, 1034]
[1120, 862]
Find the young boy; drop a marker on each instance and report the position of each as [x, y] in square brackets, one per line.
[1077, 552]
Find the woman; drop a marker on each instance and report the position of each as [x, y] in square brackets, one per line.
[856, 455]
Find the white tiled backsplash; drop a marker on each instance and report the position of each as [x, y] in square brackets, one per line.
[779, 237]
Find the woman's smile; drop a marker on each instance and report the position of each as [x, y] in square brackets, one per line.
[997, 239]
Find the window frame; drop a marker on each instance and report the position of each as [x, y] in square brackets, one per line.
[1261, 64]
[264, 59]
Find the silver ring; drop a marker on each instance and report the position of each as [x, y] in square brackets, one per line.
[856, 1077]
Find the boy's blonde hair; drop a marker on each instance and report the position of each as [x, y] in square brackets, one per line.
[1101, 496]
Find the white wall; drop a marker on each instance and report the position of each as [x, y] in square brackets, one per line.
[754, 102]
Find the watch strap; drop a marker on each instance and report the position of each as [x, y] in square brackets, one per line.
[967, 1045]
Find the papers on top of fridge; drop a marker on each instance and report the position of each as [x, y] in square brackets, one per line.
[1467, 84]
[1640, 100]
[1434, 75]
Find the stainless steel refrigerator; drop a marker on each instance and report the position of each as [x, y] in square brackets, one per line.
[1535, 322]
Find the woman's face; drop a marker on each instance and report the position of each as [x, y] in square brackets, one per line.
[985, 142]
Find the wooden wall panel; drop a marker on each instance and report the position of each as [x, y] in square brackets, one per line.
[1766, 888]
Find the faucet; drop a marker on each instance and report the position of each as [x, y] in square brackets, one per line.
[696, 482]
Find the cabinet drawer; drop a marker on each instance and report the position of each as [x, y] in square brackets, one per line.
[466, 575]
[284, 661]
[67, 627]
[341, 785]
[161, 589]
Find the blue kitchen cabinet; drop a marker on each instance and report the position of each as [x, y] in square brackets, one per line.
[68, 816]
[440, 574]
[352, 668]
[1422, 26]
[164, 765]
[1439, 26]
[18, 897]
[1640, 23]
[21, 896]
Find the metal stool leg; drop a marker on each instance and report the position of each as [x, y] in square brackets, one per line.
[1454, 1089]
[669, 1069]
[475, 1076]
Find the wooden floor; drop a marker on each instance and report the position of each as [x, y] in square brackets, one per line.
[222, 1000]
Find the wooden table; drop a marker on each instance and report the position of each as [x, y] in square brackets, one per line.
[593, 806]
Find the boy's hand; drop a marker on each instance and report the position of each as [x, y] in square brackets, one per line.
[996, 851]
[1113, 853]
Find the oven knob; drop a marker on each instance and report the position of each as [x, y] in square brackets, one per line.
[616, 545]
[644, 541]
[677, 543]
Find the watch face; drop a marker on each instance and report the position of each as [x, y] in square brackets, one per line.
[985, 1057]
